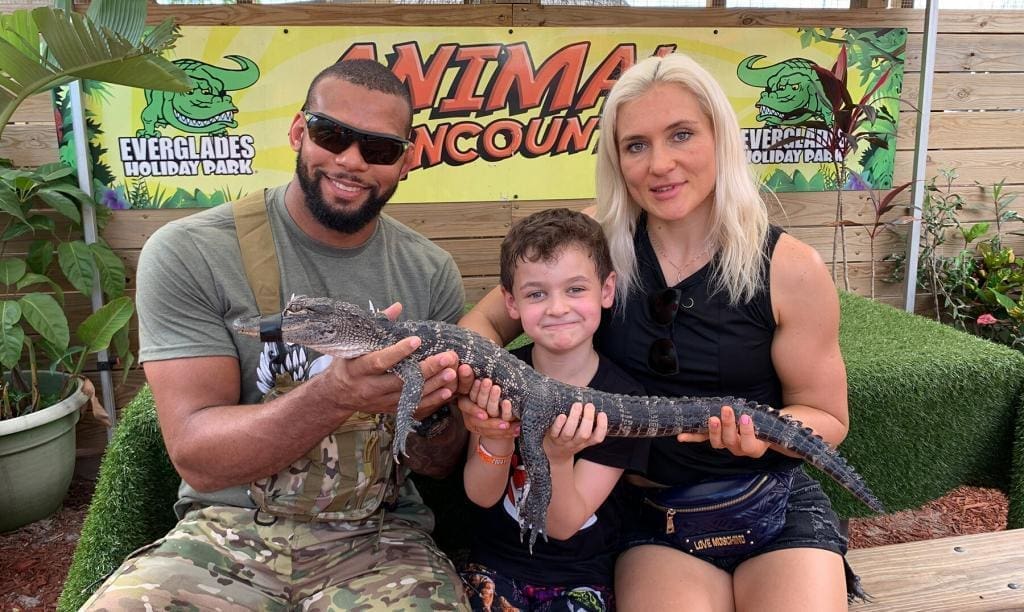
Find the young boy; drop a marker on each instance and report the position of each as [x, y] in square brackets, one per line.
[556, 276]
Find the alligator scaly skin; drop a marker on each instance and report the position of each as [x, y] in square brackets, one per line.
[344, 330]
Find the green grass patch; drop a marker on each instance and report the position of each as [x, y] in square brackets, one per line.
[931, 408]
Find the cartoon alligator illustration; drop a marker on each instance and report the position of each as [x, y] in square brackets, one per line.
[792, 93]
[205, 109]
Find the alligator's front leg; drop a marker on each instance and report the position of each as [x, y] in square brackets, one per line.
[533, 508]
[412, 391]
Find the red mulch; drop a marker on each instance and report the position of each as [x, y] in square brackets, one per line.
[34, 559]
[962, 511]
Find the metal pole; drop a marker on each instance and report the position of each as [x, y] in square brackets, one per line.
[924, 106]
[84, 168]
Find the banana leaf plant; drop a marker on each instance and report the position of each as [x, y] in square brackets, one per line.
[46, 47]
[41, 252]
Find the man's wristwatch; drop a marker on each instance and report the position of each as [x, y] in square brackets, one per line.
[436, 423]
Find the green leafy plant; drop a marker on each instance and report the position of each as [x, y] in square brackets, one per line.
[41, 213]
[42, 253]
[980, 287]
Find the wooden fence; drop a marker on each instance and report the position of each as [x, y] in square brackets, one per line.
[977, 127]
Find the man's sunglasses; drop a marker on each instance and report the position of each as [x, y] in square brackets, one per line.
[661, 357]
[335, 136]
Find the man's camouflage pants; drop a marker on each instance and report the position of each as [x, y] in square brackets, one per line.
[220, 558]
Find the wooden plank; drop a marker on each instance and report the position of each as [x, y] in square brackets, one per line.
[956, 52]
[129, 229]
[535, 15]
[29, 145]
[966, 91]
[981, 165]
[894, 242]
[975, 21]
[963, 21]
[526, 208]
[978, 205]
[860, 280]
[474, 256]
[454, 220]
[858, 242]
[963, 573]
[814, 208]
[445, 15]
[818, 208]
[478, 286]
[964, 130]
[35, 109]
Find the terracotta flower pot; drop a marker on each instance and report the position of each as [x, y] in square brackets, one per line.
[37, 457]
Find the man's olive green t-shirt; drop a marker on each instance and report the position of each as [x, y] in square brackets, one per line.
[192, 286]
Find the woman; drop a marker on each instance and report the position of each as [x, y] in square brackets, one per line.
[711, 301]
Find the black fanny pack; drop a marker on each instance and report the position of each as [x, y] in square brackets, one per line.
[721, 517]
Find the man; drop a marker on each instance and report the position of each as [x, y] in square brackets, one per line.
[293, 502]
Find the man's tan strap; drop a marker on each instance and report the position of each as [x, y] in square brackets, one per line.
[259, 256]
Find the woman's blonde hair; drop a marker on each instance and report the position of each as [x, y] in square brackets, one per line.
[739, 217]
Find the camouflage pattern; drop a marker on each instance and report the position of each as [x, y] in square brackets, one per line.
[226, 558]
[345, 477]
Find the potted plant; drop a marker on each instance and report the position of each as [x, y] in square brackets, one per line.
[42, 253]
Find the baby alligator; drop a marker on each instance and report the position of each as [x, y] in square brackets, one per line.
[344, 330]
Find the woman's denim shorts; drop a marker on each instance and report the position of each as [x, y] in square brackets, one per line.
[810, 523]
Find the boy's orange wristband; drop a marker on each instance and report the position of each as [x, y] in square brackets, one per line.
[487, 457]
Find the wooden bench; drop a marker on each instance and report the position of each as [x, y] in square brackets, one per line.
[963, 573]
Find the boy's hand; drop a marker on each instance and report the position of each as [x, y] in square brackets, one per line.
[571, 433]
[485, 413]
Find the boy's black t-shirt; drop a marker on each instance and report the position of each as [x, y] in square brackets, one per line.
[588, 557]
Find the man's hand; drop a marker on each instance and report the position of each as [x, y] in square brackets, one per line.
[366, 384]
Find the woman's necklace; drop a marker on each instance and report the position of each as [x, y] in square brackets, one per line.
[659, 250]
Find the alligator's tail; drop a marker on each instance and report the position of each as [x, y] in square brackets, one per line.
[792, 435]
[659, 416]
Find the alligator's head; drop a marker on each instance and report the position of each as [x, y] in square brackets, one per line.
[208, 107]
[792, 92]
[330, 327]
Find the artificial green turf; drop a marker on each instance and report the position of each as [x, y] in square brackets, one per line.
[132, 504]
[931, 408]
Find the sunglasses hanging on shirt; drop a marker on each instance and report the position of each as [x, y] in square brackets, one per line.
[664, 305]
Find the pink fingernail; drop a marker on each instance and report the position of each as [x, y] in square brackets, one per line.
[503, 426]
[745, 420]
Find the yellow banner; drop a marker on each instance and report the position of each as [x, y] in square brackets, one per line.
[500, 114]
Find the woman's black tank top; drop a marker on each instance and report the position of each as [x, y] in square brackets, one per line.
[722, 350]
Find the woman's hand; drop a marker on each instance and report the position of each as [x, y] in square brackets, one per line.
[725, 432]
[571, 433]
[485, 413]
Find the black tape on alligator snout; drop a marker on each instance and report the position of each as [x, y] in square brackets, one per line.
[270, 328]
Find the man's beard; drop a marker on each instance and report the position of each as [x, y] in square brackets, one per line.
[346, 222]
